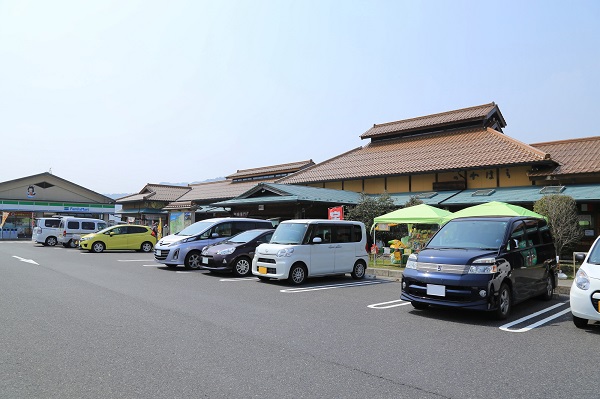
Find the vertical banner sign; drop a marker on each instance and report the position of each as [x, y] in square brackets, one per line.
[336, 213]
[4, 217]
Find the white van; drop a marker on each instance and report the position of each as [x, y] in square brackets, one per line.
[74, 227]
[46, 231]
[306, 248]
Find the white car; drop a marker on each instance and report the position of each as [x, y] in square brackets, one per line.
[585, 291]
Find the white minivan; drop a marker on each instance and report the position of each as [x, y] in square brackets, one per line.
[45, 231]
[312, 247]
[71, 228]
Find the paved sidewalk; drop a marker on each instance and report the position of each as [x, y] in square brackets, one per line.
[563, 287]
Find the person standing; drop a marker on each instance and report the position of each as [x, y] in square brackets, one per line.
[165, 230]
[155, 229]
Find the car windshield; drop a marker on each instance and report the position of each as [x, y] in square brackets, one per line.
[594, 257]
[195, 229]
[289, 233]
[245, 236]
[471, 234]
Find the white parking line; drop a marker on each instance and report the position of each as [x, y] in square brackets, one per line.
[331, 286]
[506, 327]
[154, 265]
[240, 279]
[386, 305]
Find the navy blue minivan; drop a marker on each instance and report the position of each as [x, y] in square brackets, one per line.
[483, 263]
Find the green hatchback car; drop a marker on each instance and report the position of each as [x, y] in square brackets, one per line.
[119, 237]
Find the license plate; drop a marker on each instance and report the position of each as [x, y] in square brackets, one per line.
[262, 270]
[204, 260]
[436, 290]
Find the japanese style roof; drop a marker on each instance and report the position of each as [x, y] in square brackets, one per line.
[273, 192]
[270, 171]
[576, 156]
[427, 153]
[215, 191]
[156, 192]
[486, 115]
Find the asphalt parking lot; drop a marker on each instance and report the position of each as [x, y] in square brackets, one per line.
[119, 325]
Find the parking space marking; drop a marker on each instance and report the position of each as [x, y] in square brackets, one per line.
[331, 286]
[506, 327]
[240, 279]
[388, 304]
[154, 265]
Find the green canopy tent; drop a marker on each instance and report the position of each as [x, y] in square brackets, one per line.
[493, 208]
[416, 214]
[423, 213]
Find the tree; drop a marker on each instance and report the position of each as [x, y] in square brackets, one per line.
[368, 208]
[561, 211]
[412, 201]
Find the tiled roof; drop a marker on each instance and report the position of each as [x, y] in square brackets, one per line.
[156, 192]
[467, 149]
[292, 193]
[574, 156]
[218, 190]
[270, 170]
[480, 112]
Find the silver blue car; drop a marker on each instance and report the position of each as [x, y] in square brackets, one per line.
[185, 247]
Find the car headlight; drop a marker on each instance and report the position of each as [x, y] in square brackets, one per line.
[85, 238]
[582, 281]
[286, 252]
[411, 263]
[484, 266]
[227, 251]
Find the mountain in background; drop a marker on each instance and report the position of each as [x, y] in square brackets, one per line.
[116, 196]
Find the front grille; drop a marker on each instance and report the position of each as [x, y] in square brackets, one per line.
[595, 301]
[266, 260]
[163, 254]
[442, 268]
[453, 293]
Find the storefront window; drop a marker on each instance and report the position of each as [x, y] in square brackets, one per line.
[17, 225]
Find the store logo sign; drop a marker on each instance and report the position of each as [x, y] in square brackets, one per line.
[77, 209]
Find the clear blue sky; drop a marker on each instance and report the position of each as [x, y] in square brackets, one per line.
[115, 94]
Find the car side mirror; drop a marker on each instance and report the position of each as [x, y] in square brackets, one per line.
[112, 233]
[214, 235]
[513, 244]
[317, 240]
[580, 257]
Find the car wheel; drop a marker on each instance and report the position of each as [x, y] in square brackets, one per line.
[359, 270]
[504, 302]
[419, 305]
[242, 267]
[193, 260]
[71, 244]
[51, 241]
[297, 275]
[579, 322]
[97, 247]
[547, 295]
[146, 247]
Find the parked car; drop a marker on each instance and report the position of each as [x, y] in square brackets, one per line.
[585, 291]
[121, 236]
[235, 254]
[185, 247]
[46, 231]
[483, 263]
[71, 228]
[307, 248]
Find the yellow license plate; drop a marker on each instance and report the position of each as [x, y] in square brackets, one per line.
[262, 270]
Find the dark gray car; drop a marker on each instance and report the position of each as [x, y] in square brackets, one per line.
[236, 253]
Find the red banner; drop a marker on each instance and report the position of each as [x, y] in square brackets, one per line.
[336, 213]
